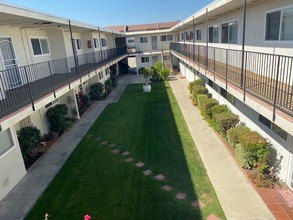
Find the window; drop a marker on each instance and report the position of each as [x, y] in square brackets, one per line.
[78, 44]
[228, 96]
[143, 40]
[198, 34]
[6, 141]
[279, 25]
[145, 59]
[96, 43]
[167, 37]
[230, 32]
[182, 36]
[104, 42]
[130, 41]
[214, 34]
[191, 35]
[275, 128]
[40, 46]
[101, 76]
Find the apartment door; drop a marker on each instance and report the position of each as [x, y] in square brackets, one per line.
[154, 43]
[11, 74]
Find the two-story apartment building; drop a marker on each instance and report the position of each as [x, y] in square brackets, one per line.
[243, 50]
[148, 43]
[45, 60]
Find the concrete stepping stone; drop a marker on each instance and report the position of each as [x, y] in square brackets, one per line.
[113, 145]
[213, 217]
[167, 188]
[139, 164]
[147, 172]
[198, 204]
[181, 196]
[115, 151]
[159, 177]
[125, 153]
[129, 159]
[104, 142]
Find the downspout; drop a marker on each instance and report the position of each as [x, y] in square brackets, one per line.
[193, 27]
[207, 39]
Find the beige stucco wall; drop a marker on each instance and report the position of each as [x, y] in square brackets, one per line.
[12, 167]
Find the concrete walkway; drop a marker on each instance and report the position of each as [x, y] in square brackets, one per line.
[21, 199]
[238, 198]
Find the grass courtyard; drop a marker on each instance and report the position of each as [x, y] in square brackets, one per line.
[101, 183]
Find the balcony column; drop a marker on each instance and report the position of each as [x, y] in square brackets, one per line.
[193, 46]
[73, 49]
[243, 41]
[207, 40]
[100, 45]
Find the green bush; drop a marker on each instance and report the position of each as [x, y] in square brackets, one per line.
[198, 82]
[28, 138]
[57, 118]
[206, 106]
[97, 91]
[83, 102]
[200, 99]
[234, 134]
[108, 86]
[226, 120]
[219, 109]
[158, 66]
[252, 150]
[199, 89]
[165, 73]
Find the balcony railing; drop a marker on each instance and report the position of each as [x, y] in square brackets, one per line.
[20, 86]
[268, 77]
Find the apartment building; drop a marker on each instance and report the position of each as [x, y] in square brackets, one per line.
[148, 43]
[246, 65]
[44, 61]
[243, 50]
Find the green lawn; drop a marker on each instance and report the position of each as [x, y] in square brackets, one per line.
[97, 182]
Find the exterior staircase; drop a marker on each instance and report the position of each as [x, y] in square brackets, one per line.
[167, 61]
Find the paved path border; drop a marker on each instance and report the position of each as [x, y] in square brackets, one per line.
[17, 204]
[238, 198]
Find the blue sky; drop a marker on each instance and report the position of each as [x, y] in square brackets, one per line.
[116, 12]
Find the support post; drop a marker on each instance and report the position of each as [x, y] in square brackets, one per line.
[73, 50]
[243, 42]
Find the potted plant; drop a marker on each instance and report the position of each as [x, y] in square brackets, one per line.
[146, 73]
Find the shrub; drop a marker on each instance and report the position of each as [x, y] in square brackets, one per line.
[199, 89]
[165, 73]
[108, 86]
[158, 66]
[97, 91]
[57, 118]
[28, 138]
[226, 120]
[219, 109]
[200, 99]
[234, 134]
[206, 106]
[83, 102]
[198, 82]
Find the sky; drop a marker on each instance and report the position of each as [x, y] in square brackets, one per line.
[115, 12]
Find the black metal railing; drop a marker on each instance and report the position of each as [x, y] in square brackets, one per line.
[20, 86]
[268, 77]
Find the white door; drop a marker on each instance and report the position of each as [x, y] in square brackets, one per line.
[11, 76]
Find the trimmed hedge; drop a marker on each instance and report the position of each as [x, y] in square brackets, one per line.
[219, 109]
[197, 90]
[252, 150]
[233, 134]
[198, 82]
[206, 106]
[200, 99]
[165, 73]
[226, 120]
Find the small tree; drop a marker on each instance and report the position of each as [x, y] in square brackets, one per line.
[28, 138]
[97, 91]
[165, 73]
